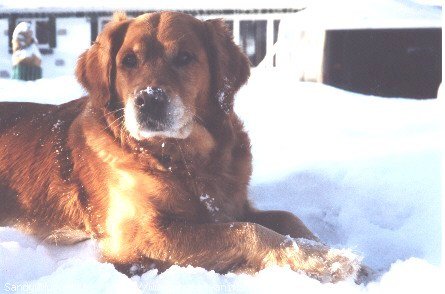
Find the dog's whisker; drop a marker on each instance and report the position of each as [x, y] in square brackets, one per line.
[116, 120]
[183, 36]
[114, 111]
[199, 118]
[199, 108]
[183, 158]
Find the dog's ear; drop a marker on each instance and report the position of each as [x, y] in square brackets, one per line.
[229, 66]
[96, 67]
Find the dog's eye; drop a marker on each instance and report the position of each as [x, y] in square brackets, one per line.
[183, 58]
[130, 60]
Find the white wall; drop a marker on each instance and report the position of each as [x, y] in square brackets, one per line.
[69, 46]
[302, 51]
[5, 57]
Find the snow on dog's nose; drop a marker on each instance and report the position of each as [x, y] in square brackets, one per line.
[152, 112]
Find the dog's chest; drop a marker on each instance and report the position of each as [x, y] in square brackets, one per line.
[196, 199]
[136, 197]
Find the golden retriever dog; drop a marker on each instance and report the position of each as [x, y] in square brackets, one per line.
[153, 164]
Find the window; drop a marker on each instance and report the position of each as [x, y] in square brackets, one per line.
[253, 39]
[42, 32]
[97, 25]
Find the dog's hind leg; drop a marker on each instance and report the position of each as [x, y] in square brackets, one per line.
[282, 222]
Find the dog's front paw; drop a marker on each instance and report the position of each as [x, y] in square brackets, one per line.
[316, 260]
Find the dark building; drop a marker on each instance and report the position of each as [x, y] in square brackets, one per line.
[383, 48]
[385, 62]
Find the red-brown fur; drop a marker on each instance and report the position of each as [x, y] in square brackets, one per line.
[74, 168]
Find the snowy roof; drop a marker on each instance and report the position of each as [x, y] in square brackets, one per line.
[369, 14]
[324, 14]
[32, 6]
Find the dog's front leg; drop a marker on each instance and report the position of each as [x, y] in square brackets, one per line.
[248, 247]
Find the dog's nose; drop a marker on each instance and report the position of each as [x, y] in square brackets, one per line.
[152, 102]
[152, 97]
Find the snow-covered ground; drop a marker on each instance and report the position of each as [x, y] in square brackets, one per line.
[362, 172]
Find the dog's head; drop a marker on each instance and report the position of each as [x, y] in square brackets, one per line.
[160, 73]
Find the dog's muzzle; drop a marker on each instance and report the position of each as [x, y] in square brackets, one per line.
[153, 112]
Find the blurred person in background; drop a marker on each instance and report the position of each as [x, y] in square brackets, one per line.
[26, 58]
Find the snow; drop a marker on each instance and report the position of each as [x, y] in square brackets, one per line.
[52, 91]
[366, 14]
[362, 172]
[209, 202]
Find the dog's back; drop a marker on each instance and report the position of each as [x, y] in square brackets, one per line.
[32, 148]
[12, 113]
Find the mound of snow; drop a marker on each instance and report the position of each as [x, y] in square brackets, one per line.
[363, 172]
[52, 91]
